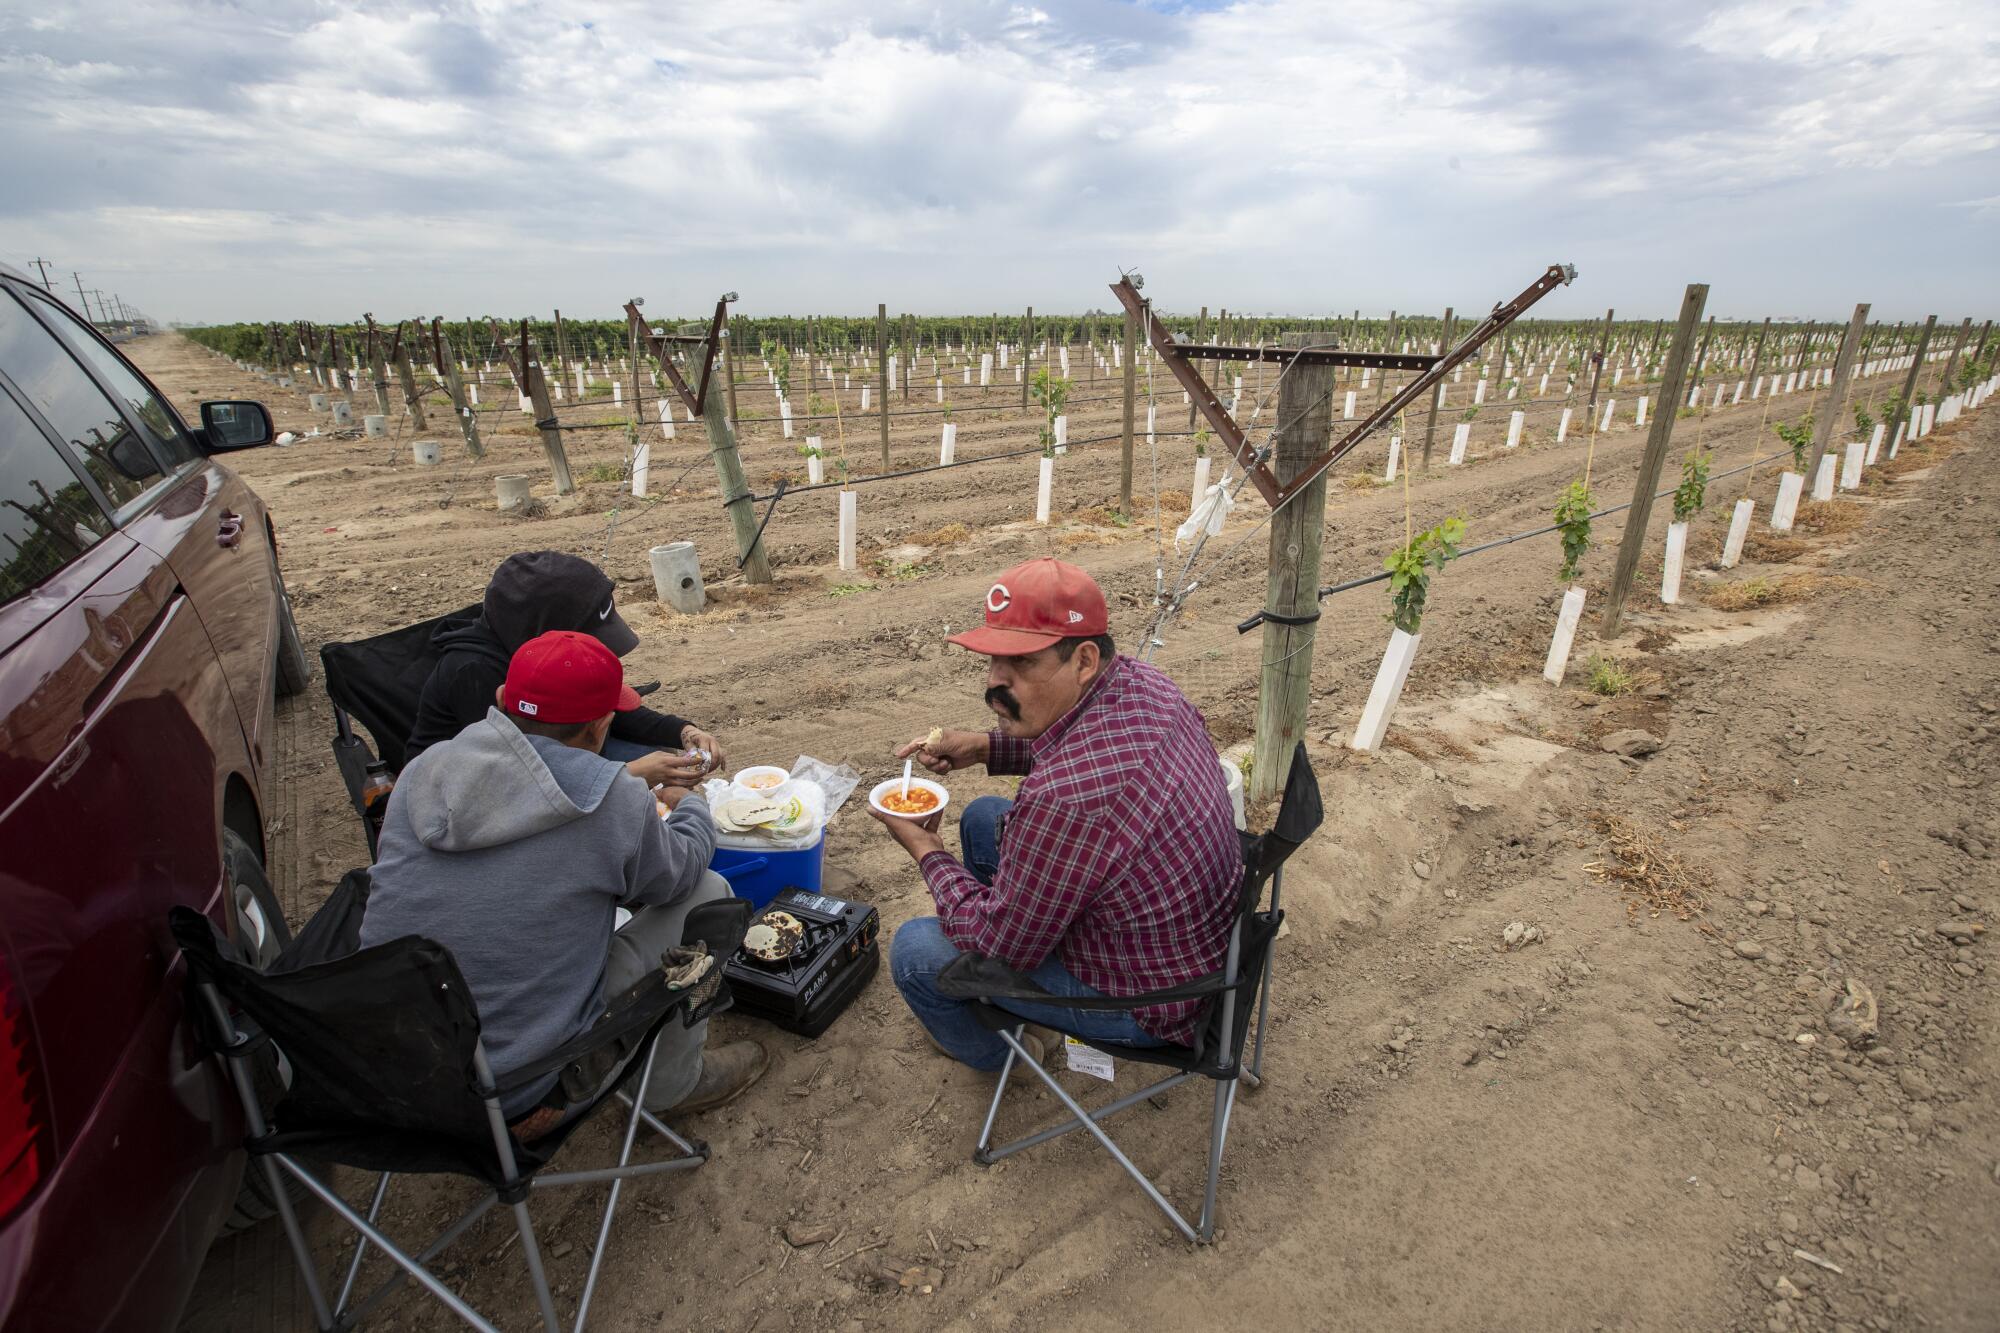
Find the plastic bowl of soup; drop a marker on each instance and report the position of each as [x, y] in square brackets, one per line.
[926, 798]
[762, 777]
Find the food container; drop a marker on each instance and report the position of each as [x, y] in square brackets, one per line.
[894, 786]
[762, 875]
[762, 778]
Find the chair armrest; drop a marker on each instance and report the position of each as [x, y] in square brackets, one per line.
[972, 976]
[717, 925]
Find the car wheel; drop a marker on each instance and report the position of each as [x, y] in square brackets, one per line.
[293, 671]
[262, 932]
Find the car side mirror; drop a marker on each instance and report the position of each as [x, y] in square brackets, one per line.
[235, 425]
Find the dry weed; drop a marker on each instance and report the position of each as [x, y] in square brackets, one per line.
[1830, 516]
[1086, 537]
[1102, 516]
[1747, 594]
[1648, 876]
[951, 534]
[1767, 547]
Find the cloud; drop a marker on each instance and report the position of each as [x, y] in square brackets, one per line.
[226, 160]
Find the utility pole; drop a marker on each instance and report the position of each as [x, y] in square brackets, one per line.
[1659, 435]
[1836, 395]
[43, 265]
[1291, 593]
[81, 299]
[1437, 394]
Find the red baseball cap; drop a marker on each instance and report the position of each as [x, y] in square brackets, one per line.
[565, 676]
[1034, 605]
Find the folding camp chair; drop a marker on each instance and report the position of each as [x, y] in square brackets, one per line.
[387, 1073]
[377, 683]
[1221, 1024]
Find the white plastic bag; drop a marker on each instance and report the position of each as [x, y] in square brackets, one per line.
[1209, 512]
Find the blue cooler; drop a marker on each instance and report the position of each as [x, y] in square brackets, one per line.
[759, 876]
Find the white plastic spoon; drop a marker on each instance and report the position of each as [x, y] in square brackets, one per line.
[906, 776]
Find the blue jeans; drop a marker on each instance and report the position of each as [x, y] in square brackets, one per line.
[626, 751]
[920, 951]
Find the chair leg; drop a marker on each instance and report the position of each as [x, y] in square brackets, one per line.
[537, 1276]
[617, 1183]
[1070, 1104]
[297, 1236]
[992, 1112]
[1225, 1099]
[361, 1245]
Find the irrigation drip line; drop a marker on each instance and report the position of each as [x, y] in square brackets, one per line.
[1328, 590]
[941, 467]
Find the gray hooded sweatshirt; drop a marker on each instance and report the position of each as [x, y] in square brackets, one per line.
[512, 851]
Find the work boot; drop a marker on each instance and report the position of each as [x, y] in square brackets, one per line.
[726, 1071]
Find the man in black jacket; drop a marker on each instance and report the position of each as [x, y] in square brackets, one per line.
[531, 593]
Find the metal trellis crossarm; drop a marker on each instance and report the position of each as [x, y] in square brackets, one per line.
[1175, 356]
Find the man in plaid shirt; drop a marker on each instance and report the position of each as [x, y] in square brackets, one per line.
[1114, 870]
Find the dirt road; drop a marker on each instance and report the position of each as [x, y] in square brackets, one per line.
[1621, 1125]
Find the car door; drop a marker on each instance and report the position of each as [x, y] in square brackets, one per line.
[117, 735]
[210, 527]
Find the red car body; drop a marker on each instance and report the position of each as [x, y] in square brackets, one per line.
[136, 685]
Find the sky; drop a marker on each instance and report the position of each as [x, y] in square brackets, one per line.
[291, 159]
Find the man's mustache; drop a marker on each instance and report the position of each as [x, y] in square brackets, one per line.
[1002, 697]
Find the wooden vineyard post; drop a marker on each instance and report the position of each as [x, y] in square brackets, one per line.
[378, 373]
[1757, 357]
[1597, 371]
[729, 370]
[882, 377]
[635, 348]
[1131, 401]
[1836, 396]
[1951, 362]
[545, 414]
[1908, 411]
[1200, 334]
[562, 354]
[1437, 394]
[1305, 415]
[1659, 435]
[1027, 357]
[909, 354]
[407, 377]
[447, 365]
[729, 481]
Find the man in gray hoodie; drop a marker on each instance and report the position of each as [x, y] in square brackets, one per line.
[513, 843]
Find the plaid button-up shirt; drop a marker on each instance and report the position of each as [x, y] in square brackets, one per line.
[1120, 852]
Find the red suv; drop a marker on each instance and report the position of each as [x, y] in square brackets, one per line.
[143, 632]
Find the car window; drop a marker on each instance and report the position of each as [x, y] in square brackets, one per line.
[155, 417]
[116, 458]
[47, 515]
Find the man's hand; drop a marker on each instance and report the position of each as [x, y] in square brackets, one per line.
[918, 837]
[694, 738]
[671, 796]
[955, 750]
[666, 766]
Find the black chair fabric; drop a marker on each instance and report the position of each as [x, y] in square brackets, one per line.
[378, 681]
[1214, 1052]
[381, 1041]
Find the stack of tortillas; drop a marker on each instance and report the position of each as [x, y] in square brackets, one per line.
[740, 814]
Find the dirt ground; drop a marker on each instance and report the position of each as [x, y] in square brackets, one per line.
[1643, 1119]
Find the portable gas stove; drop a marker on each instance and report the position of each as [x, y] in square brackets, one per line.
[821, 970]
